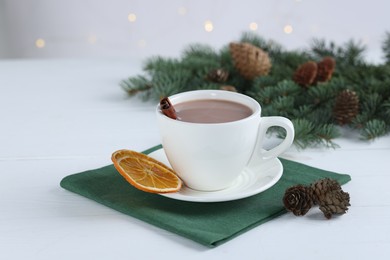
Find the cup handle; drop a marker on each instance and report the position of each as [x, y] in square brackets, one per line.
[265, 123]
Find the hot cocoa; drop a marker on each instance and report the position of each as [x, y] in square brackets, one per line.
[211, 111]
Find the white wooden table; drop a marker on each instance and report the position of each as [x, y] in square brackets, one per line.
[60, 117]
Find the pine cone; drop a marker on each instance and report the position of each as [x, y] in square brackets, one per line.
[298, 199]
[228, 88]
[325, 69]
[322, 187]
[306, 74]
[346, 107]
[326, 193]
[330, 197]
[218, 75]
[336, 203]
[249, 60]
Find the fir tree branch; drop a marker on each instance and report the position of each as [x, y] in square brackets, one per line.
[308, 135]
[386, 47]
[352, 53]
[200, 51]
[373, 129]
[311, 108]
[319, 48]
[136, 84]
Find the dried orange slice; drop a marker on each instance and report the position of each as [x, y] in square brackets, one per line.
[145, 173]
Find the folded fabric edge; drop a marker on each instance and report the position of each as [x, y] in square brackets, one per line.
[343, 177]
[152, 149]
[63, 184]
[249, 227]
[134, 215]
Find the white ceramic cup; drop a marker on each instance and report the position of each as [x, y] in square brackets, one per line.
[209, 157]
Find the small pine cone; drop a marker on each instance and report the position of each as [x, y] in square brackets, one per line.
[322, 187]
[330, 197]
[218, 75]
[298, 199]
[249, 60]
[346, 107]
[228, 88]
[335, 203]
[325, 69]
[306, 74]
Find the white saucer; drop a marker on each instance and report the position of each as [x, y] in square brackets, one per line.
[251, 181]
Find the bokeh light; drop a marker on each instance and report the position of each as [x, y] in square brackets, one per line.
[92, 39]
[40, 43]
[288, 29]
[182, 11]
[253, 26]
[141, 43]
[132, 17]
[208, 26]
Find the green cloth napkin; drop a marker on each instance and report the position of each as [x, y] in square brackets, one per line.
[210, 224]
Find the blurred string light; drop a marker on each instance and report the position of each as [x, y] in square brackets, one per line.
[132, 17]
[314, 28]
[182, 10]
[253, 26]
[141, 43]
[92, 39]
[40, 43]
[208, 26]
[288, 29]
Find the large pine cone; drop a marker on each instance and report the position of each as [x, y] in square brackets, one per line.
[325, 69]
[298, 199]
[328, 194]
[346, 107]
[249, 60]
[306, 74]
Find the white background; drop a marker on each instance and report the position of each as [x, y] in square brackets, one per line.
[101, 29]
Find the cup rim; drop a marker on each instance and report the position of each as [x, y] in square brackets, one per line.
[213, 94]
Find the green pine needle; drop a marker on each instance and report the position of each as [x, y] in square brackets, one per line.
[308, 134]
[134, 85]
[373, 129]
[310, 109]
[386, 47]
